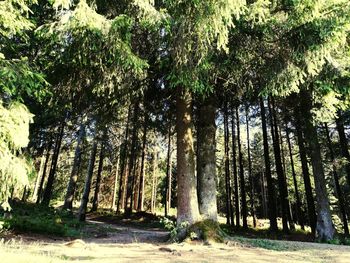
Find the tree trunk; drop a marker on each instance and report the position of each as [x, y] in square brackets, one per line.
[343, 144]
[99, 176]
[132, 161]
[234, 168]
[114, 198]
[305, 170]
[270, 188]
[324, 226]
[87, 186]
[42, 179]
[154, 182]
[241, 173]
[206, 160]
[229, 212]
[338, 190]
[279, 169]
[297, 195]
[39, 176]
[168, 175]
[187, 201]
[51, 178]
[123, 166]
[251, 183]
[68, 200]
[142, 170]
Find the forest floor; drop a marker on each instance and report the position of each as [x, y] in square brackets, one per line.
[108, 240]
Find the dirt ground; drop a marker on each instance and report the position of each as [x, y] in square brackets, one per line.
[119, 243]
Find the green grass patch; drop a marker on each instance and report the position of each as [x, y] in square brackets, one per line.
[27, 217]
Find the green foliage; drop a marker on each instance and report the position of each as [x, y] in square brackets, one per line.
[43, 220]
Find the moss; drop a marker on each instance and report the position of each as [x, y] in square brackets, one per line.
[207, 230]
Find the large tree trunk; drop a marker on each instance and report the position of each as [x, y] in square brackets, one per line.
[68, 200]
[305, 170]
[187, 201]
[251, 183]
[123, 166]
[98, 176]
[132, 162]
[343, 144]
[241, 173]
[87, 186]
[338, 190]
[270, 188]
[297, 195]
[229, 212]
[168, 175]
[51, 178]
[206, 160]
[324, 226]
[279, 169]
[142, 170]
[234, 168]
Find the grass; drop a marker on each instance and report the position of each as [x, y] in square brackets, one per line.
[28, 217]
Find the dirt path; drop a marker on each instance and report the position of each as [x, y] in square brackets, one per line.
[118, 243]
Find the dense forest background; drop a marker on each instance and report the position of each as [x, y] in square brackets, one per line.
[188, 108]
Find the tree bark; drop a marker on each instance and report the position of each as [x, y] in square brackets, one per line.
[114, 198]
[206, 160]
[297, 195]
[51, 178]
[142, 170]
[39, 176]
[168, 175]
[234, 169]
[132, 161]
[279, 169]
[251, 183]
[343, 144]
[68, 200]
[187, 201]
[99, 176]
[270, 188]
[87, 186]
[305, 170]
[229, 212]
[338, 190]
[324, 226]
[154, 182]
[42, 179]
[241, 173]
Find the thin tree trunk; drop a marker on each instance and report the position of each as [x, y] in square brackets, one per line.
[168, 175]
[241, 173]
[99, 176]
[87, 186]
[229, 214]
[297, 195]
[154, 182]
[206, 160]
[279, 169]
[252, 207]
[68, 200]
[187, 201]
[51, 178]
[132, 161]
[42, 179]
[270, 188]
[338, 190]
[305, 170]
[123, 170]
[142, 171]
[324, 226]
[39, 176]
[343, 144]
[114, 198]
[234, 168]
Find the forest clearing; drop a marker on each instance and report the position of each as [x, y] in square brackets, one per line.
[174, 130]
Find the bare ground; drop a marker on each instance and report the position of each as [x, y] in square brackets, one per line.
[121, 243]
